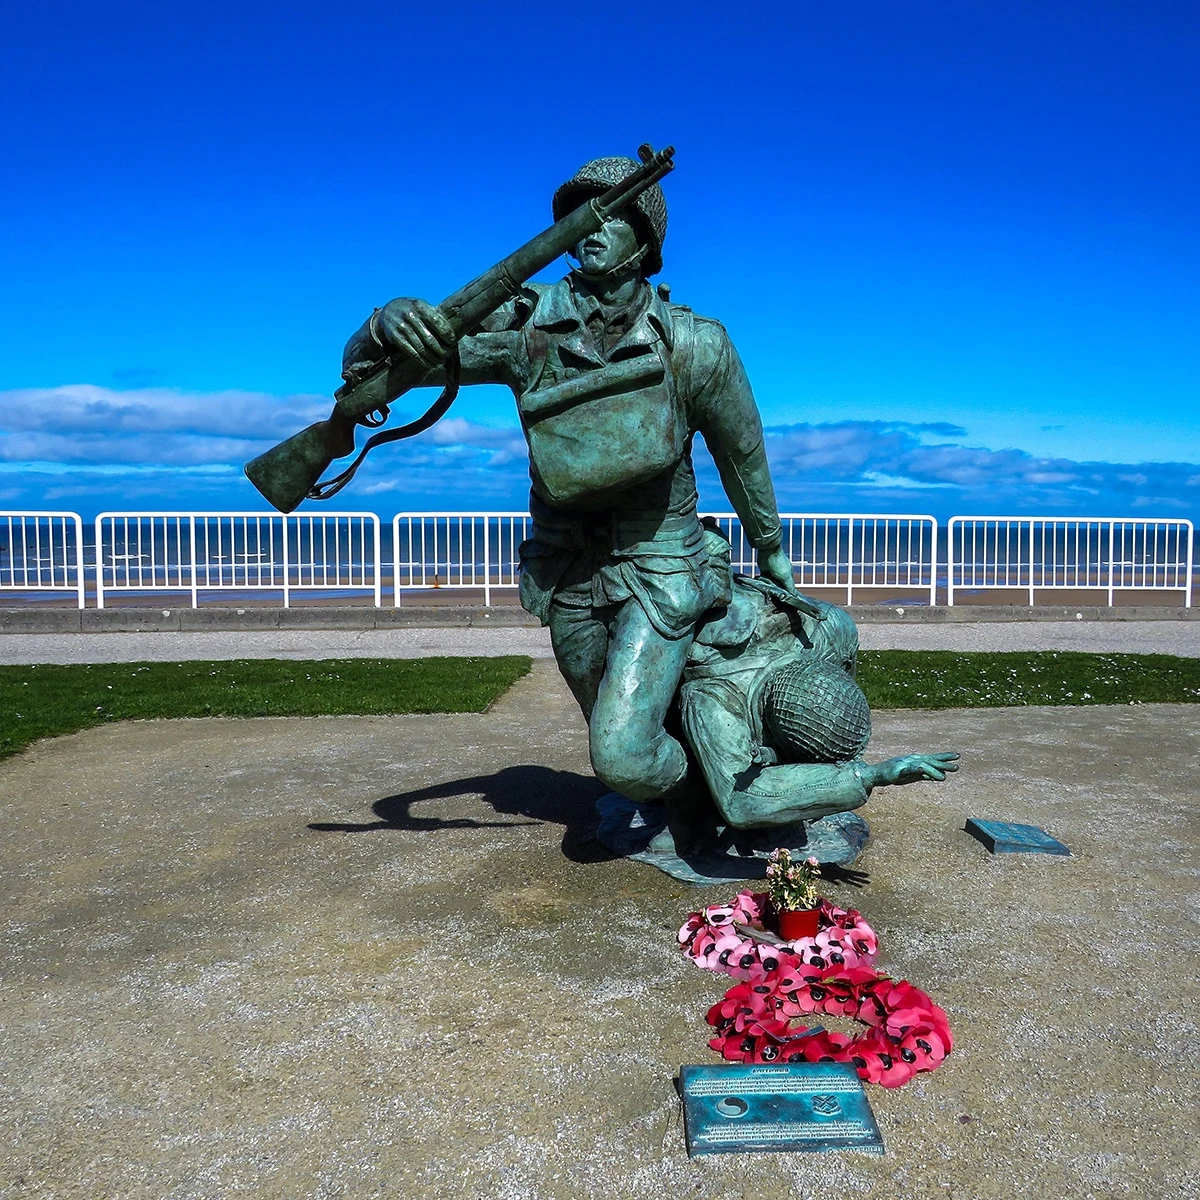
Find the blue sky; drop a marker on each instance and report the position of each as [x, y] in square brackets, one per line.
[956, 244]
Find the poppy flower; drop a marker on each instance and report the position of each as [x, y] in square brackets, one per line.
[788, 978]
[925, 1046]
[899, 1021]
[769, 1051]
[841, 1002]
[735, 1000]
[748, 906]
[725, 946]
[792, 1004]
[736, 1047]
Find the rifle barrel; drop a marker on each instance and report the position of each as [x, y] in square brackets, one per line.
[482, 296]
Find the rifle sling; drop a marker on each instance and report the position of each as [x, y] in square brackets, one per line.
[432, 415]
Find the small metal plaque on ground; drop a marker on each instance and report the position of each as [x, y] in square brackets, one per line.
[800, 1106]
[1002, 837]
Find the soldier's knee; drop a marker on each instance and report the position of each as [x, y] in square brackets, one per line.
[740, 811]
[640, 767]
[617, 759]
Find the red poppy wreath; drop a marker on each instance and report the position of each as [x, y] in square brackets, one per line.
[830, 973]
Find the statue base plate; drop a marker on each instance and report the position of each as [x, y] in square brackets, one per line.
[734, 855]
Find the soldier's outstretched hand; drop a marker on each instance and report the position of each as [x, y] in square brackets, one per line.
[416, 329]
[911, 768]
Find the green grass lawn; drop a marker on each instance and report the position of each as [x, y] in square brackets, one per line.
[945, 679]
[45, 701]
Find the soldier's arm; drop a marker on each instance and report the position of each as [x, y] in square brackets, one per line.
[790, 792]
[724, 411]
[748, 793]
[787, 792]
[491, 354]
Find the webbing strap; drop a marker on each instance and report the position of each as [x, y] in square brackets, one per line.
[436, 411]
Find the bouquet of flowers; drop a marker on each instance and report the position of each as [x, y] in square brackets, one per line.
[792, 885]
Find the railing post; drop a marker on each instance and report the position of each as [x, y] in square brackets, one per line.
[950, 561]
[1187, 595]
[487, 562]
[192, 551]
[849, 558]
[287, 570]
[933, 556]
[396, 561]
[1031, 557]
[99, 552]
[378, 564]
[78, 526]
[1112, 543]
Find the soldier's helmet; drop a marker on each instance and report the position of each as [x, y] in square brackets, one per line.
[648, 213]
[814, 712]
[835, 639]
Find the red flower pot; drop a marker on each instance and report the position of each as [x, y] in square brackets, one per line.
[798, 923]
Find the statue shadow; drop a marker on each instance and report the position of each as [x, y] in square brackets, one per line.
[542, 795]
[836, 873]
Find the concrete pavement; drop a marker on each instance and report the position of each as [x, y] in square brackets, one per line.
[1101, 636]
[360, 957]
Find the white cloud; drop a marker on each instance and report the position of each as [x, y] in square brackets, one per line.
[179, 449]
[111, 414]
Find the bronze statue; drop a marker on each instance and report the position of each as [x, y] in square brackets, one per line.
[777, 723]
[612, 381]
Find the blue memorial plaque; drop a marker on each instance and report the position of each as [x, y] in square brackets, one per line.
[1002, 837]
[800, 1106]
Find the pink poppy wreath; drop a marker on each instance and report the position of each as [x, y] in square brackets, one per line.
[713, 940]
[831, 973]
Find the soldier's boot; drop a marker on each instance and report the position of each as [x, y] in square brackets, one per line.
[693, 823]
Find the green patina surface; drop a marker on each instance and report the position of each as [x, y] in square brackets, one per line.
[612, 382]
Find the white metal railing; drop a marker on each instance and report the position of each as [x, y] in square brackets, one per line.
[479, 551]
[1034, 554]
[850, 551]
[457, 550]
[41, 552]
[333, 552]
[237, 551]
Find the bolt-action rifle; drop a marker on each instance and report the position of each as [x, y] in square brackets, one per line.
[288, 474]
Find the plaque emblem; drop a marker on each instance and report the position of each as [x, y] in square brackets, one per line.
[826, 1106]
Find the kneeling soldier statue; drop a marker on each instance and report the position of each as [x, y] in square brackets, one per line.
[612, 382]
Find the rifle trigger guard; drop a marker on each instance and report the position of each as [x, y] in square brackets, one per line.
[434, 413]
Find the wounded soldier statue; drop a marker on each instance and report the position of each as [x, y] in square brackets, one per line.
[777, 728]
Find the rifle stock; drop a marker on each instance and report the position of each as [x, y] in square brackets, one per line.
[288, 473]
